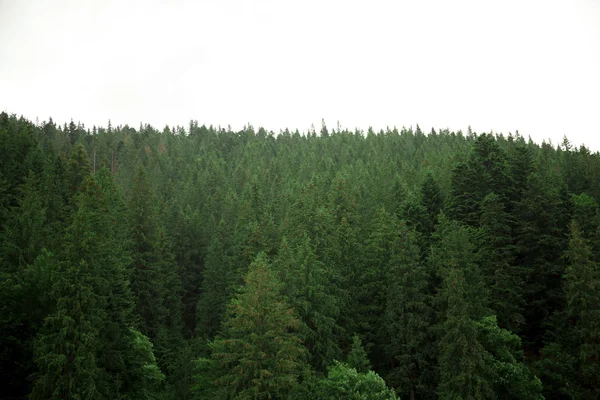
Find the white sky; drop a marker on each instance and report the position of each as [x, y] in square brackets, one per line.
[495, 65]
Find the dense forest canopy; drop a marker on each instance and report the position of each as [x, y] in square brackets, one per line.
[200, 262]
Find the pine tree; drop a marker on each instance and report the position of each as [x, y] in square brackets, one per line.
[308, 286]
[85, 347]
[258, 352]
[78, 167]
[512, 378]
[371, 280]
[483, 173]
[345, 382]
[357, 357]
[406, 327]
[582, 293]
[433, 201]
[216, 288]
[464, 370]
[155, 279]
[68, 345]
[540, 241]
[143, 379]
[502, 276]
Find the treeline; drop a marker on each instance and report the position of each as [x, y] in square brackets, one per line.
[201, 262]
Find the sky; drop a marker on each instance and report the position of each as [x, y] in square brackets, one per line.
[498, 66]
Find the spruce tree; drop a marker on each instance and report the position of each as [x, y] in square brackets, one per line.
[85, 347]
[406, 327]
[345, 382]
[357, 357]
[464, 370]
[502, 276]
[582, 293]
[155, 279]
[216, 288]
[510, 376]
[308, 285]
[258, 352]
[68, 346]
[433, 201]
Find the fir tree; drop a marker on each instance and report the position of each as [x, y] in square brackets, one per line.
[308, 284]
[406, 327]
[258, 352]
[582, 293]
[503, 277]
[464, 370]
[357, 357]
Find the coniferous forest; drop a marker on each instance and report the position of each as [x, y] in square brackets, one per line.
[198, 262]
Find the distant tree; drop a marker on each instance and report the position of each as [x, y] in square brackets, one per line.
[78, 167]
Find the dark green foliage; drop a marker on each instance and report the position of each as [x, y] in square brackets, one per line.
[344, 382]
[68, 349]
[308, 286]
[464, 370]
[143, 378]
[85, 348]
[217, 285]
[78, 168]
[120, 249]
[258, 352]
[406, 328]
[432, 201]
[502, 276]
[510, 376]
[540, 239]
[155, 279]
[357, 358]
[571, 360]
[483, 173]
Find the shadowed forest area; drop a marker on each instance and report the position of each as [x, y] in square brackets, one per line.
[200, 262]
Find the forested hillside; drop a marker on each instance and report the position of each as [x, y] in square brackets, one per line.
[199, 262]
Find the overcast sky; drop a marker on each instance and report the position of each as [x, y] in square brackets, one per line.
[501, 66]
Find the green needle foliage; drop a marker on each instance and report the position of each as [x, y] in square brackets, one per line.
[257, 353]
[206, 262]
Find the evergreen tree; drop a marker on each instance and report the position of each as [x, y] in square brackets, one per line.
[78, 167]
[582, 293]
[67, 347]
[540, 240]
[84, 348]
[483, 173]
[406, 327]
[371, 279]
[258, 353]
[433, 201]
[502, 276]
[357, 358]
[512, 378]
[155, 279]
[216, 288]
[307, 285]
[344, 382]
[464, 370]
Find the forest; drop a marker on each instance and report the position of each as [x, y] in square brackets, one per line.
[199, 262]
